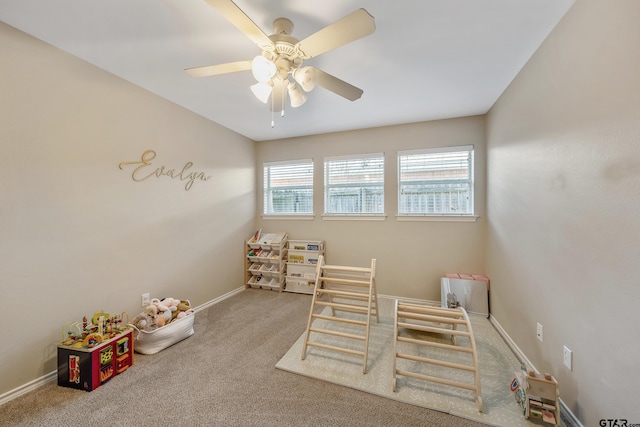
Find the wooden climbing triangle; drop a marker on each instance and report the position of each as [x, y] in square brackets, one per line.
[344, 300]
[425, 321]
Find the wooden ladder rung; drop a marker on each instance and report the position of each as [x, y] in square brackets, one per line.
[436, 344]
[430, 318]
[327, 267]
[447, 312]
[346, 310]
[436, 362]
[437, 380]
[345, 307]
[331, 347]
[337, 333]
[359, 295]
[343, 281]
[434, 329]
[340, 319]
[356, 298]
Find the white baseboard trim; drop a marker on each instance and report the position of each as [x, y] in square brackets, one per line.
[512, 345]
[218, 299]
[565, 413]
[52, 376]
[568, 417]
[28, 387]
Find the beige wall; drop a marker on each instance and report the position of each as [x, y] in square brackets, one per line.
[560, 228]
[563, 196]
[77, 234]
[411, 256]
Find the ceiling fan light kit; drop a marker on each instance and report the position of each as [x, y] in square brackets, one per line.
[305, 77]
[262, 91]
[297, 96]
[282, 56]
[263, 70]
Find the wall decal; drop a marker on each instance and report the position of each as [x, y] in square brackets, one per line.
[145, 170]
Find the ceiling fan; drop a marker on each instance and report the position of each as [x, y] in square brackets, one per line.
[282, 56]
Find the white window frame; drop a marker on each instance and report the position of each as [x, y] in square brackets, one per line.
[268, 188]
[466, 183]
[356, 184]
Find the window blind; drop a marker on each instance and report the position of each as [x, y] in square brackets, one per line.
[436, 181]
[288, 187]
[354, 184]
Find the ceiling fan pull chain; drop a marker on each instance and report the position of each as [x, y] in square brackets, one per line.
[273, 121]
[284, 100]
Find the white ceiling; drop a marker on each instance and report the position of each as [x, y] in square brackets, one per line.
[427, 59]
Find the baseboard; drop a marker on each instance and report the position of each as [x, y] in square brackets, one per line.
[52, 376]
[512, 345]
[218, 299]
[28, 387]
[566, 415]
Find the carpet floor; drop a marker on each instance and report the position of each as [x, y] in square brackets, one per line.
[223, 375]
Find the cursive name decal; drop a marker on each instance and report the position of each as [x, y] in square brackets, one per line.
[145, 170]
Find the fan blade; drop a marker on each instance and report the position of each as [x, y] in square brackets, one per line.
[352, 27]
[337, 86]
[241, 21]
[213, 70]
[278, 95]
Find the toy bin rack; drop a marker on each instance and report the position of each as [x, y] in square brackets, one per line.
[265, 261]
[301, 265]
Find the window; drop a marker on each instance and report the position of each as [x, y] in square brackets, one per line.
[354, 185]
[288, 188]
[436, 181]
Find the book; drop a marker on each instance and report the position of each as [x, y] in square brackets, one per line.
[296, 259]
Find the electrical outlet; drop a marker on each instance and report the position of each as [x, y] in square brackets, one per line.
[539, 332]
[567, 356]
[146, 299]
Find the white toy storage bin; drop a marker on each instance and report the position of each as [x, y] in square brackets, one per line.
[151, 342]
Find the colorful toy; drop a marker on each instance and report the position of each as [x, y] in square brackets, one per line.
[91, 340]
[92, 353]
[537, 395]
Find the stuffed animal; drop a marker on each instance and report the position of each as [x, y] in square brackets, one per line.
[184, 313]
[159, 304]
[172, 304]
[147, 319]
[160, 320]
[163, 310]
[184, 308]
